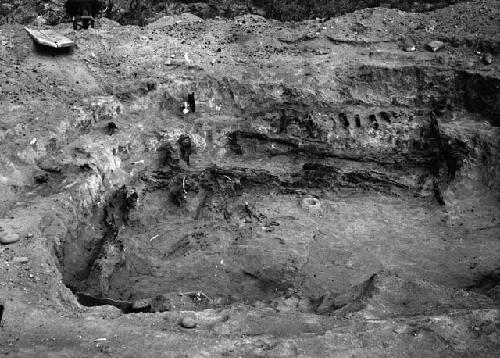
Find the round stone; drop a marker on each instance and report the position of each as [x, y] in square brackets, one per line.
[188, 322]
[7, 238]
[435, 46]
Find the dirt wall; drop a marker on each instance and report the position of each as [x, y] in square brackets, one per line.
[52, 11]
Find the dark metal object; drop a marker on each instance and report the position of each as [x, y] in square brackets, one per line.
[83, 12]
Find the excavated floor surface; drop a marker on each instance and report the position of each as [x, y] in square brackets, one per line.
[323, 211]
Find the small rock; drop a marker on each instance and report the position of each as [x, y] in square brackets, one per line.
[143, 305]
[411, 48]
[188, 322]
[435, 46]
[7, 237]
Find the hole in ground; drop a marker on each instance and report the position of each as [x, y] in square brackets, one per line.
[189, 238]
[243, 235]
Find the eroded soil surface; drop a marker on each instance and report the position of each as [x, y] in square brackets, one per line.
[332, 194]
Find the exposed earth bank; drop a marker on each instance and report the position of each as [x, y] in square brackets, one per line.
[335, 192]
[53, 12]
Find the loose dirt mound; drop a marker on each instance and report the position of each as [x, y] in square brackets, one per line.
[166, 21]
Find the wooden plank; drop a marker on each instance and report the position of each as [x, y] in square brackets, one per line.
[49, 38]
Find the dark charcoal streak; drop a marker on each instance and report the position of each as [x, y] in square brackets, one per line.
[312, 147]
[90, 301]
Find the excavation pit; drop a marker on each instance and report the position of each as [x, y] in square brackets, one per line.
[245, 236]
[294, 203]
[334, 195]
